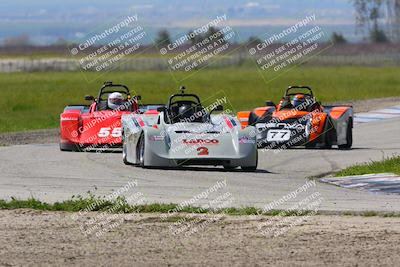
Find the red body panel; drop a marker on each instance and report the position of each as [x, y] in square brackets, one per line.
[91, 128]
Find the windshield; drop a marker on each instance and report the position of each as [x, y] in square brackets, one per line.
[187, 111]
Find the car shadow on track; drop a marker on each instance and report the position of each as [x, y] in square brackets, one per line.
[316, 149]
[208, 169]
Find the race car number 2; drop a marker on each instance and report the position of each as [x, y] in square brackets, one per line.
[106, 131]
[202, 151]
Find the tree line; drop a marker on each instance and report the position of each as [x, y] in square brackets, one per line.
[377, 21]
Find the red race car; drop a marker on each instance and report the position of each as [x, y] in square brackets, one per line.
[98, 126]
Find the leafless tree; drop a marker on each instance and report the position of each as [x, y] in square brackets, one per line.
[17, 41]
[372, 14]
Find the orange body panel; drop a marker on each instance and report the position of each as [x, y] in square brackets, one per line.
[261, 111]
[337, 112]
[289, 114]
[243, 117]
[318, 125]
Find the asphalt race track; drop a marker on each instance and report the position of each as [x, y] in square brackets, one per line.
[46, 173]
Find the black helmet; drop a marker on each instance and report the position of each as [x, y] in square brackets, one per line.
[185, 112]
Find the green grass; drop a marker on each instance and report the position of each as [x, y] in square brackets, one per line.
[35, 100]
[387, 165]
[120, 205]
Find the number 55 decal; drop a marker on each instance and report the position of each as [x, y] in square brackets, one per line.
[202, 151]
[104, 132]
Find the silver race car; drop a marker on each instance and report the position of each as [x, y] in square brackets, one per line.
[186, 133]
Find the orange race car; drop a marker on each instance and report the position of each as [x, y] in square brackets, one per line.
[299, 119]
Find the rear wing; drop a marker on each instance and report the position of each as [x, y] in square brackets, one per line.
[143, 108]
[290, 89]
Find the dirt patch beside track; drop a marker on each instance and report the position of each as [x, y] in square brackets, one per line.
[30, 137]
[371, 104]
[29, 237]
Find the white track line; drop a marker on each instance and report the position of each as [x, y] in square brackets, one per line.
[377, 183]
[378, 115]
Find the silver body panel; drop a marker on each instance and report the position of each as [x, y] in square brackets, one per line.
[222, 141]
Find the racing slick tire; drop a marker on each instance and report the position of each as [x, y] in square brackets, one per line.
[141, 151]
[349, 136]
[124, 158]
[69, 147]
[229, 168]
[251, 168]
[329, 134]
[310, 144]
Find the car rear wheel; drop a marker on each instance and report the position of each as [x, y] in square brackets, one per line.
[251, 168]
[349, 137]
[229, 168]
[310, 144]
[329, 134]
[69, 147]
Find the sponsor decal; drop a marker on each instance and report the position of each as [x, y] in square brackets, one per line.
[228, 122]
[141, 122]
[68, 119]
[200, 141]
[156, 138]
[298, 127]
[246, 140]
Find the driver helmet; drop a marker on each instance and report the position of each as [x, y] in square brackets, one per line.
[185, 112]
[298, 100]
[115, 100]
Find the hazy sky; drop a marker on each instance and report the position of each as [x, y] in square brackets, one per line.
[47, 20]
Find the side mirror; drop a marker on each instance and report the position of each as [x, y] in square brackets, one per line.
[161, 109]
[89, 98]
[269, 103]
[219, 108]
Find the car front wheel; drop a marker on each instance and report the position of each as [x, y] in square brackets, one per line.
[141, 151]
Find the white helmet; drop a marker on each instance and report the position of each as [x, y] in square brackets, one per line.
[115, 100]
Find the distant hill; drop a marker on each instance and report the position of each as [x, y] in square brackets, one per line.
[47, 20]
